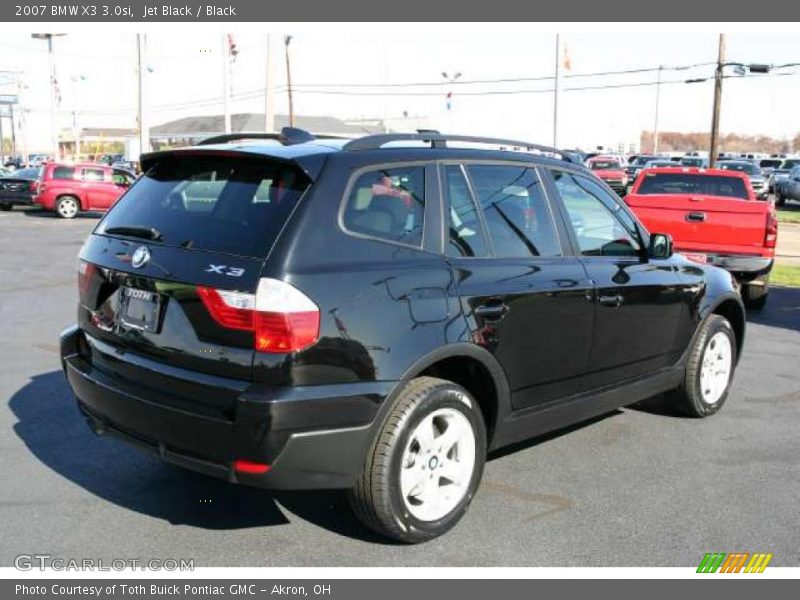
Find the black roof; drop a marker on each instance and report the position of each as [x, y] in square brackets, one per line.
[297, 146]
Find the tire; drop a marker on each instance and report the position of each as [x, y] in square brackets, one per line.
[701, 396]
[67, 207]
[5, 206]
[780, 200]
[396, 494]
[755, 296]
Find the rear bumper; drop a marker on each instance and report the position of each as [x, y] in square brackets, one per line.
[743, 268]
[312, 437]
[17, 199]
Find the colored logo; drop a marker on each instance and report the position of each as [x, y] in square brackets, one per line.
[736, 562]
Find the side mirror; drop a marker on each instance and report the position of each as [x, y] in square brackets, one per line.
[660, 246]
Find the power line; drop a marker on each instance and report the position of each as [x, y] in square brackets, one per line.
[462, 82]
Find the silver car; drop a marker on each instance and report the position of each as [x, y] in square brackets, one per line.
[788, 188]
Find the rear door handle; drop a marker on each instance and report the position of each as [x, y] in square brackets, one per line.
[696, 217]
[613, 301]
[491, 311]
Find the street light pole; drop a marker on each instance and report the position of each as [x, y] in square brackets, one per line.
[450, 79]
[144, 130]
[658, 98]
[713, 151]
[555, 92]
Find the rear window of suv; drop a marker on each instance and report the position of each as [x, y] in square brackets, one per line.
[236, 205]
[695, 184]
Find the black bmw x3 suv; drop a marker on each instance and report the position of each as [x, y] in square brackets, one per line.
[377, 314]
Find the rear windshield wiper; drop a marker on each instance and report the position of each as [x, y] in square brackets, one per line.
[149, 233]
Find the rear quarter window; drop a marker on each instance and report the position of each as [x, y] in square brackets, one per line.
[388, 204]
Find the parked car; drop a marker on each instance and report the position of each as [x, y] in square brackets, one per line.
[611, 171]
[752, 170]
[782, 172]
[714, 218]
[5, 172]
[693, 161]
[788, 188]
[635, 165]
[19, 188]
[37, 160]
[768, 165]
[110, 159]
[354, 314]
[15, 162]
[68, 189]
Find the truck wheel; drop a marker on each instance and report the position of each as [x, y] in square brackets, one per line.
[6, 206]
[755, 296]
[780, 200]
[709, 370]
[425, 464]
[67, 207]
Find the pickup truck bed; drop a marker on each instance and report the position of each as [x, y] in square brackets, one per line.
[713, 217]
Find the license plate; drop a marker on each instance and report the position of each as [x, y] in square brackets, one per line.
[140, 309]
[696, 257]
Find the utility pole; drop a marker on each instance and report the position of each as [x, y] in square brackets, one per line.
[22, 137]
[286, 40]
[2, 141]
[226, 91]
[269, 90]
[712, 154]
[658, 98]
[53, 84]
[141, 61]
[555, 92]
[13, 129]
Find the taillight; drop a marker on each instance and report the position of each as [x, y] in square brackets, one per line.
[85, 272]
[771, 236]
[282, 318]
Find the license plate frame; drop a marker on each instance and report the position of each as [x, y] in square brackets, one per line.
[140, 309]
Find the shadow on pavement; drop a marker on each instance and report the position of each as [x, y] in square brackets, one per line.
[51, 426]
[40, 213]
[782, 309]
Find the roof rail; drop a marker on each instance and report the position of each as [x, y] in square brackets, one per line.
[288, 136]
[439, 140]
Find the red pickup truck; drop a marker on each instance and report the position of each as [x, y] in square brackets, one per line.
[713, 217]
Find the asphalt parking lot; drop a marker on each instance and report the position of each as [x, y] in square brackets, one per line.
[638, 487]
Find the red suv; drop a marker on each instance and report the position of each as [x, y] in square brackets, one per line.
[70, 188]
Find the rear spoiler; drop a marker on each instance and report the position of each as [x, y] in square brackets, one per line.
[310, 165]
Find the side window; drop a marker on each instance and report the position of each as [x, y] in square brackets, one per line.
[63, 173]
[121, 178]
[600, 225]
[388, 204]
[518, 217]
[466, 232]
[93, 175]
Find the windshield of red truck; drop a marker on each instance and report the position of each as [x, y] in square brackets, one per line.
[694, 184]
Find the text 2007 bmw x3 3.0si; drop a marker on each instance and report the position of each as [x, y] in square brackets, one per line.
[376, 314]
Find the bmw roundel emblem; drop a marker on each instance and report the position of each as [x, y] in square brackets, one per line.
[140, 257]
